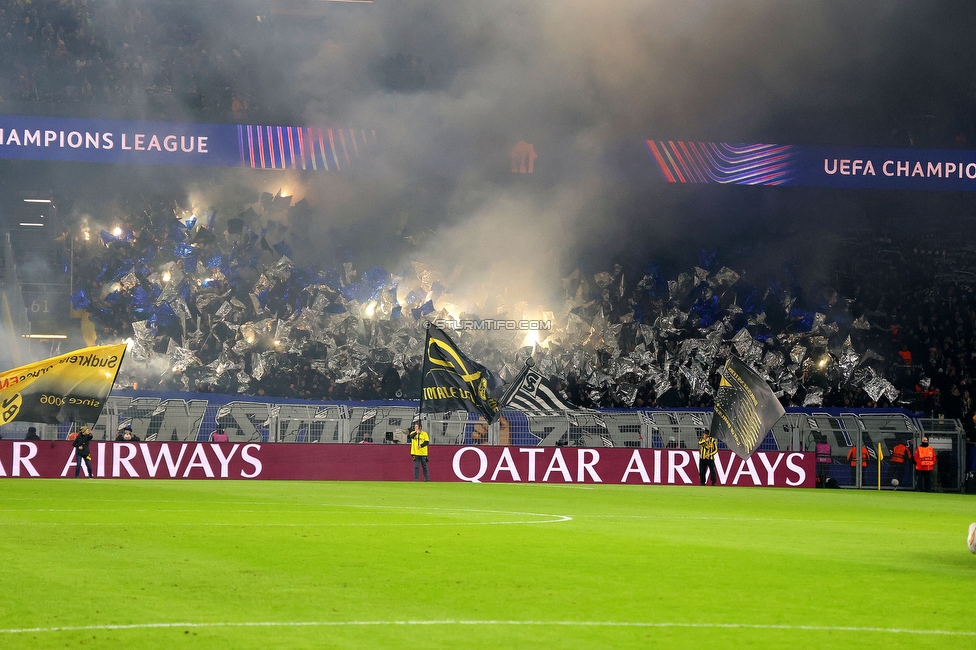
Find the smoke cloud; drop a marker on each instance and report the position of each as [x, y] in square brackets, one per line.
[450, 88]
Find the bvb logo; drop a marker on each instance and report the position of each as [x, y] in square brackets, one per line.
[10, 408]
[483, 389]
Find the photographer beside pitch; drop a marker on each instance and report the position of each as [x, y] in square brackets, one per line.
[419, 442]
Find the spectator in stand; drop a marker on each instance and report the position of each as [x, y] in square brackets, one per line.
[219, 435]
[937, 331]
[72, 51]
[905, 354]
[32, 434]
[966, 405]
[479, 433]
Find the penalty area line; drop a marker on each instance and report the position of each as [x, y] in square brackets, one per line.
[618, 624]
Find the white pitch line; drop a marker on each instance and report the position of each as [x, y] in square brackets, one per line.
[100, 510]
[414, 510]
[439, 510]
[279, 525]
[756, 519]
[143, 501]
[609, 624]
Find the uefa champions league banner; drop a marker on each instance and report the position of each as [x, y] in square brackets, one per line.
[347, 462]
[793, 165]
[253, 146]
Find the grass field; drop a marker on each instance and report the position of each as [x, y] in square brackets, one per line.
[155, 564]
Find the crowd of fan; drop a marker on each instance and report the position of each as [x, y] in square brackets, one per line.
[227, 311]
[221, 307]
[144, 54]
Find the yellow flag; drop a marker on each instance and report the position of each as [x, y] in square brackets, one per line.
[68, 388]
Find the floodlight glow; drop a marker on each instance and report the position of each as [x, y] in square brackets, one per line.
[117, 231]
[44, 337]
[37, 200]
[35, 225]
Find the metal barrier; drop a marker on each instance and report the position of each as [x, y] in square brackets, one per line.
[948, 439]
[851, 434]
[194, 417]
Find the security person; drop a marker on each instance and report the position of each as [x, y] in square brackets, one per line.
[852, 456]
[924, 466]
[901, 459]
[419, 442]
[707, 447]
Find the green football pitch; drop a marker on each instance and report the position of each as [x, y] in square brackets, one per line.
[233, 564]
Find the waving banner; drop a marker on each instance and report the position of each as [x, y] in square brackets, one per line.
[452, 382]
[745, 408]
[533, 392]
[68, 388]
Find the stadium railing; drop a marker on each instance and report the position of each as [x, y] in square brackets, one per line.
[192, 417]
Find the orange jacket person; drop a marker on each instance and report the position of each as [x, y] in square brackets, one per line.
[901, 459]
[924, 466]
[852, 456]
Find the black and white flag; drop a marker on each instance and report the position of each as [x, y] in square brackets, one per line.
[533, 392]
